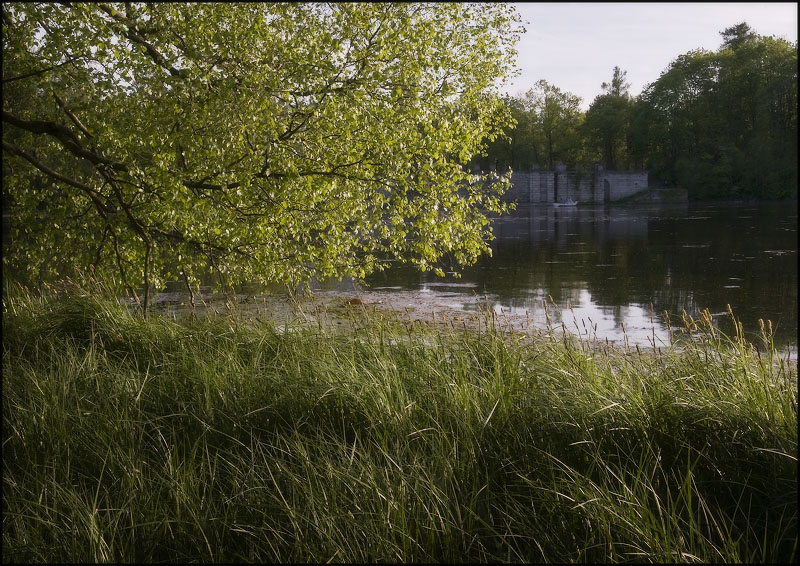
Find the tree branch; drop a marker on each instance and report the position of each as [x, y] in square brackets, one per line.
[64, 135]
[13, 149]
[90, 192]
[132, 33]
[71, 116]
[208, 186]
[41, 71]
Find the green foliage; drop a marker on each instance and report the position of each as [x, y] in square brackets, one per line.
[514, 147]
[259, 141]
[721, 124]
[555, 119]
[618, 85]
[724, 124]
[545, 130]
[606, 127]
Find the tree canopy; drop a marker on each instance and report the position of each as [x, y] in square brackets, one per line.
[721, 124]
[607, 120]
[724, 123]
[555, 119]
[261, 141]
[544, 130]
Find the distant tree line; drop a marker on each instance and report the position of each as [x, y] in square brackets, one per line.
[720, 124]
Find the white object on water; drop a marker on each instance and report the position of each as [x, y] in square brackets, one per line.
[568, 202]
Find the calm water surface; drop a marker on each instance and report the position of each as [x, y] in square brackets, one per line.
[611, 272]
[608, 266]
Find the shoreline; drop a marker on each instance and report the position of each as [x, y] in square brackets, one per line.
[333, 310]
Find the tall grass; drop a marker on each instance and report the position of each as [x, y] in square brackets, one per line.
[223, 439]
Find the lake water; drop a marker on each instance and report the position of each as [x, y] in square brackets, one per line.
[605, 266]
[609, 271]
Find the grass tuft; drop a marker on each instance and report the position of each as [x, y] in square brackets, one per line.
[221, 439]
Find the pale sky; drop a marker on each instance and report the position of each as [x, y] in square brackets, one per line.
[575, 46]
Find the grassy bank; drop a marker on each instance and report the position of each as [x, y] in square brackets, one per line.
[222, 439]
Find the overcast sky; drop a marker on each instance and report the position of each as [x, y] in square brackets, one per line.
[575, 46]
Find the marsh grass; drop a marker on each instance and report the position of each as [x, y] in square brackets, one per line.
[226, 439]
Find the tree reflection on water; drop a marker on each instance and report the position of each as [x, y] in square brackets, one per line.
[629, 264]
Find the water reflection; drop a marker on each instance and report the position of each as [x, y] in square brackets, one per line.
[615, 270]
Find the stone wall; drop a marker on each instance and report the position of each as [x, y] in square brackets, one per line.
[599, 186]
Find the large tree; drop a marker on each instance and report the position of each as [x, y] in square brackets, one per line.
[724, 123]
[513, 148]
[555, 117]
[261, 141]
[544, 130]
[607, 121]
[681, 123]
